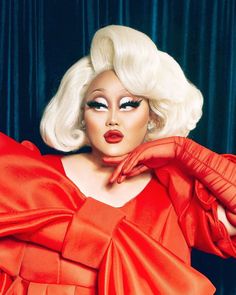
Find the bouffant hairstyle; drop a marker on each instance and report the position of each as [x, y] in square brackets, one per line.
[175, 103]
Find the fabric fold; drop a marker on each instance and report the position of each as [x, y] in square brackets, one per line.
[23, 287]
[136, 264]
[37, 197]
[90, 232]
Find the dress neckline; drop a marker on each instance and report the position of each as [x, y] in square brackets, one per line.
[128, 203]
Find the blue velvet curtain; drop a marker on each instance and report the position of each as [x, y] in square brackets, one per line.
[40, 39]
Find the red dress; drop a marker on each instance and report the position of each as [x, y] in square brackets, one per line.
[56, 241]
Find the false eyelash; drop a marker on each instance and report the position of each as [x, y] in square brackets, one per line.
[131, 103]
[94, 104]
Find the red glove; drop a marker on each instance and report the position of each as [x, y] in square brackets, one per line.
[214, 170]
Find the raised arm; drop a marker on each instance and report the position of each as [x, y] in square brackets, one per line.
[216, 172]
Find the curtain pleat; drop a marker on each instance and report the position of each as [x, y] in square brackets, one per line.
[40, 39]
[22, 67]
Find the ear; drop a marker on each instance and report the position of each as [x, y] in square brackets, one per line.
[156, 120]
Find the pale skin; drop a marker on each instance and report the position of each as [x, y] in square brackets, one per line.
[84, 169]
[114, 109]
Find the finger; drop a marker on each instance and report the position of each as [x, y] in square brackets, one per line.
[134, 160]
[121, 178]
[117, 172]
[114, 160]
[137, 171]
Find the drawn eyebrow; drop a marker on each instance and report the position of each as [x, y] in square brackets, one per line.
[95, 90]
[99, 89]
[103, 89]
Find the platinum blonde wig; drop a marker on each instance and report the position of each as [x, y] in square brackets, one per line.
[175, 103]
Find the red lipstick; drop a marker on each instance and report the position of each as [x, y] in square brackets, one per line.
[113, 136]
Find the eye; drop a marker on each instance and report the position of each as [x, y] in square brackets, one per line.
[98, 106]
[129, 104]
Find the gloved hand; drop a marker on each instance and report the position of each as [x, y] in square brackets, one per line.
[152, 154]
[215, 171]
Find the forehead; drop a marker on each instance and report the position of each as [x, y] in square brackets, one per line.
[106, 81]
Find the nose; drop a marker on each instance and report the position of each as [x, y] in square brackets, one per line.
[112, 119]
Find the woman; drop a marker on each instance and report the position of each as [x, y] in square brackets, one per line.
[77, 224]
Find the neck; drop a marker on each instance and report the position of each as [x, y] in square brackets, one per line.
[96, 159]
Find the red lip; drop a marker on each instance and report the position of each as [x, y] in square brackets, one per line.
[113, 136]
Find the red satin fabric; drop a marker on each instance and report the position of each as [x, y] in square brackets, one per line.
[54, 240]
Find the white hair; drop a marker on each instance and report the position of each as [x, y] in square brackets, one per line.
[175, 103]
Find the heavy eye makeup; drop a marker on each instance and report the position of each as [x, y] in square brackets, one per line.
[100, 104]
[125, 104]
[128, 103]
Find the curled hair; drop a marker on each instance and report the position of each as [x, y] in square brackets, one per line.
[175, 103]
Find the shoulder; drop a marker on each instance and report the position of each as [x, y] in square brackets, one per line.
[179, 184]
[55, 161]
[173, 173]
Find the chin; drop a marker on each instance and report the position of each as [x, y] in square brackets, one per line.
[113, 150]
[108, 153]
[116, 152]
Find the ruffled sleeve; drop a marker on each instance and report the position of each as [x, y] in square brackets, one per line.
[196, 208]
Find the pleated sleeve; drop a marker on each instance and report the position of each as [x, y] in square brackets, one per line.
[196, 208]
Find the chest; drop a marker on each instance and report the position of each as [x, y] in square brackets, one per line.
[96, 184]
